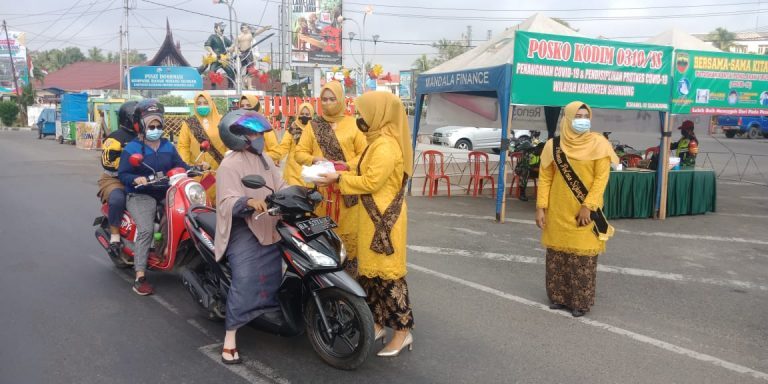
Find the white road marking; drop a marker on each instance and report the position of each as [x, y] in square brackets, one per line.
[597, 324]
[754, 197]
[636, 233]
[600, 267]
[213, 350]
[740, 215]
[202, 329]
[469, 231]
[266, 374]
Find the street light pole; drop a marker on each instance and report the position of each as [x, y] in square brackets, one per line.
[10, 56]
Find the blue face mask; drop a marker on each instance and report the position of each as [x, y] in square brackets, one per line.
[581, 125]
[154, 134]
[257, 145]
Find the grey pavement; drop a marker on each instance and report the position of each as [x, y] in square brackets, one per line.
[669, 308]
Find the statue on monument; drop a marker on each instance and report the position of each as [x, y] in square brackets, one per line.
[216, 61]
[249, 52]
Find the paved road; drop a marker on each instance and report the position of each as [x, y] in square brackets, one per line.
[682, 310]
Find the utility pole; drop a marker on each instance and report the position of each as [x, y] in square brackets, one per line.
[469, 36]
[490, 34]
[286, 44]
[122, 70]
[127, 52]
[10, 56]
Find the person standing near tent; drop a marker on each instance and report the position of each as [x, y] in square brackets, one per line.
[199, 127]
[334, 137]
[688, 146]
[292, 169]
[573, 175]
[380, 180]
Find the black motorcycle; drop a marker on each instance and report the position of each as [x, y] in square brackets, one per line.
[524, 169]
[316, 295]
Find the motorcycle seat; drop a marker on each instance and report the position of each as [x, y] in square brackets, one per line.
[207, 221]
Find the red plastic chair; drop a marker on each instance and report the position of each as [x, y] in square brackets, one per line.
[433, 172]
[651, 151]
[476, 173]
[516, 157]
[631, 160]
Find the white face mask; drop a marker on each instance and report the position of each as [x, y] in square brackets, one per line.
[581, 125]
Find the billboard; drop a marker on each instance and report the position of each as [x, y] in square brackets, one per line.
[406, 85]
[316, 33]
[555, 70]
[720, 83]
[19, 55]
[161, 77]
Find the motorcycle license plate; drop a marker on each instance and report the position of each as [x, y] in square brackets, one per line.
[315, 225]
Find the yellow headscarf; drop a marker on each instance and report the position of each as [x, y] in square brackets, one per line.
[337, 112]
[298, 113]
[213, 117]
[253, 100]
[384, 113]
[586, 146]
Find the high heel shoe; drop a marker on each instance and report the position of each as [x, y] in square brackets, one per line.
[408, 342]
[380, 335]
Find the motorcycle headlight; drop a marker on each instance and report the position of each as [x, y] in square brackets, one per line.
[195, 193]
[317, 258]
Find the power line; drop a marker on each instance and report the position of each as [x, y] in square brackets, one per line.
[49, 13]
[550, 9]
[57, 20]
[586, 18]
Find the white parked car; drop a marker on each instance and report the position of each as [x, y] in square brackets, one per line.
[473, 138]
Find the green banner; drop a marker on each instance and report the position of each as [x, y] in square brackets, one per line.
[555, 70]
[719, 83]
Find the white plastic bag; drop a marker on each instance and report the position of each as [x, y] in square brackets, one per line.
[312, 174]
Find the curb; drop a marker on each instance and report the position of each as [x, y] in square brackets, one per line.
[18, 129]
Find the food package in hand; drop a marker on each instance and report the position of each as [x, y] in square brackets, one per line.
[312, 174]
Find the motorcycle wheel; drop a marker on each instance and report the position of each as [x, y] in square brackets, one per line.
[351, 322]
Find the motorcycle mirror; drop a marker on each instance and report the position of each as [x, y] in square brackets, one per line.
[253, 181]
[205, 146]
[136, 160]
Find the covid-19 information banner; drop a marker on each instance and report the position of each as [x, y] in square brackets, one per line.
[719, 83]
[555, 70]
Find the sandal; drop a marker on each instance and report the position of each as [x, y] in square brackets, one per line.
[232, 353]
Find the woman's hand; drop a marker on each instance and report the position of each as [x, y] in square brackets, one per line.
[316, 160]
[258, 205]
[541, 217]
[327, 179]
[204, 165]
[141, 180]
[584, 217]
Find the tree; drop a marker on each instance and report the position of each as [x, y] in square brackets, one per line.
[722, 38]
[27, 98]
[565, 23]
[172, 101]
[447, 49]
[8, 112]
[94, 54]
[422, 64]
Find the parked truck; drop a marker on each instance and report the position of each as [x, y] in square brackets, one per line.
[749, 126]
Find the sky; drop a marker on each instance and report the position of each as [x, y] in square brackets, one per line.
[405, 29]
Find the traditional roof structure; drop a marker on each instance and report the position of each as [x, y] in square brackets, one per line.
[83, 75]
[169, 53]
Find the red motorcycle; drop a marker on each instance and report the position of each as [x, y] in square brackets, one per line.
[171, 245]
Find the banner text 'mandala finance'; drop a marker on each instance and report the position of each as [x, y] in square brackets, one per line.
[554, 50]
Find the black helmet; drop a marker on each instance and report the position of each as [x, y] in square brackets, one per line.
[125, 115]
[145, 108]
[235, 124]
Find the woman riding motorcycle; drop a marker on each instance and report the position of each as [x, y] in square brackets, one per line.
[161, 156]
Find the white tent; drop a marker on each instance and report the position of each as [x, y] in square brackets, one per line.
[679, 39]
[500, 49]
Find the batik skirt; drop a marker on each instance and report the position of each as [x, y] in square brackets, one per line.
[571, 279]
